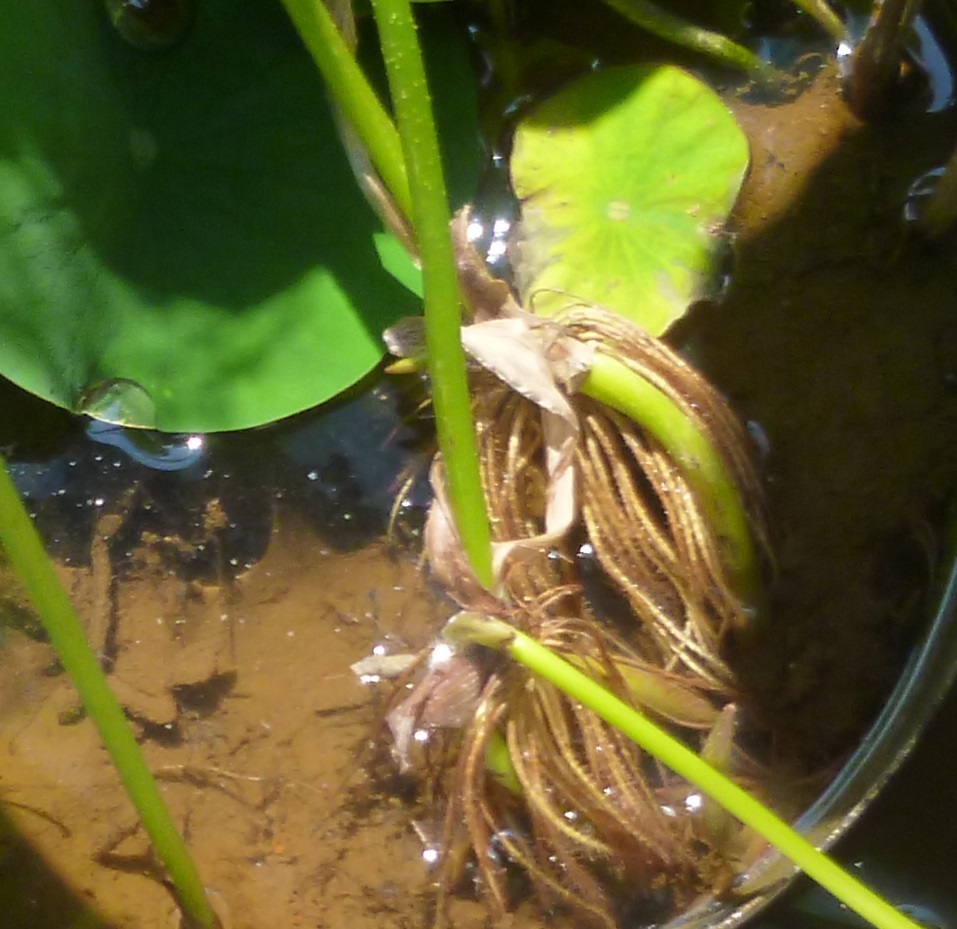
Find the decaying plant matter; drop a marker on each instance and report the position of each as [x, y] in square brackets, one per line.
[594, 822]
[597, 826]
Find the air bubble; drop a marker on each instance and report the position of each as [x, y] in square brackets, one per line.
[920, 193]
[151, 25]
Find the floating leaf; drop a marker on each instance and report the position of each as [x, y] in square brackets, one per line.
[624, 178]
[183, 221]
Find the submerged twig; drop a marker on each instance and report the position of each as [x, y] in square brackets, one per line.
[876, 63]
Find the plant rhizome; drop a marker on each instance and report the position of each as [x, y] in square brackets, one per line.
[586, 503]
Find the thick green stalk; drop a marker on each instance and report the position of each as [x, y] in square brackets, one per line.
[617, 386]
[28, 557]
[353, 95]
[471, 628]
[430, 219]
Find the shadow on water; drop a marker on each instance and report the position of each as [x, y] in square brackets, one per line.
[904, 847]
[30, 893]
[343, 481]
[837, 341]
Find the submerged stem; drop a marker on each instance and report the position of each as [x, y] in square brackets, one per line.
[615, 385]
[32, 564]
[499, 762]
[673, 28]
[475, 629]
[430, 218]
[821, 11]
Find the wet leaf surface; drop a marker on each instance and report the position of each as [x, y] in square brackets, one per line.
[626, 177]
[185, 220]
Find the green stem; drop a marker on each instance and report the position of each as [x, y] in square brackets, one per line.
[28, 557]
[499, 763]
[430, 219]
[353, 95]
[820, 11]
[617, 386]
[665, 25]
[469, 627]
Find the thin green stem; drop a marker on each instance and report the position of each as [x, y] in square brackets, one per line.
[28, 557]
[469, 627]
[617, 386]
[430, 219]
[665, 25]
[821, 11]
[353, 95]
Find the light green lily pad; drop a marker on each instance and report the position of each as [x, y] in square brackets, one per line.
[184, 221]
[625, 178]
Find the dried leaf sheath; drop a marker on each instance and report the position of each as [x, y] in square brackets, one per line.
[512, 459]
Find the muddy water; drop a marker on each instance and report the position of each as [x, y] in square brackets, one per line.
[229, 600]
[838, 339]
[257, 754]
[838, 342]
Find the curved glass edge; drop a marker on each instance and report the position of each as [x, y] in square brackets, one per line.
[924, 682]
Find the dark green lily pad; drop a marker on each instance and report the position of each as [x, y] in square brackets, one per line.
[625, 178]
[184, 221]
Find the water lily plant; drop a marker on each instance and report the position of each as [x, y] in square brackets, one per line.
[552, 758]
[577, 427]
